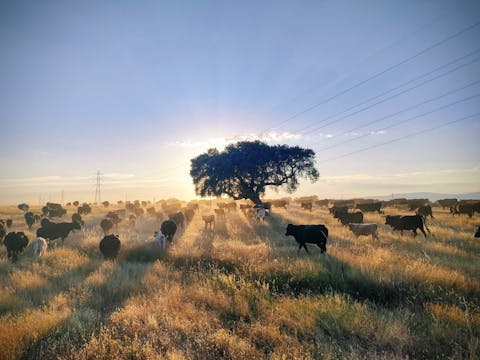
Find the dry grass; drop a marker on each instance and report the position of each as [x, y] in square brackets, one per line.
[243, 292]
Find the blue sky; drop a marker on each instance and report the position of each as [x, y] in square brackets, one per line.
[137, 88]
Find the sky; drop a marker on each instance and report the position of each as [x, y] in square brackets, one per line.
[387, 94]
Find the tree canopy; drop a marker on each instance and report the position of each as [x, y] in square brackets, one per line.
[244, 170]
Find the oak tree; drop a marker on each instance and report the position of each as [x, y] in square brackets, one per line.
[244, 170]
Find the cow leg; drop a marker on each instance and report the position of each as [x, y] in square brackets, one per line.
[322, 248]
[423, 231]
[299, 248]
[305, 246]
[414, 232]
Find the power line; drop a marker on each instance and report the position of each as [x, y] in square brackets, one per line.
[372, 55]
[398, 123]
[425, 50]
[394, 96]
[400, 138]
[450, 92]
[396, 88]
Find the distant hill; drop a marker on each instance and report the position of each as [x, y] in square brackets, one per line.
[429, 195]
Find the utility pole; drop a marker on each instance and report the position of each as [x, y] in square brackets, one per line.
[98, 195]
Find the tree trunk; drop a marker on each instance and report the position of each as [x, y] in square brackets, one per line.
[255, 198]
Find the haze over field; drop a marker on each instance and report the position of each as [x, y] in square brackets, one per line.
[137, 89]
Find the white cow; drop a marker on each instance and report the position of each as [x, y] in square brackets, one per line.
[364, 229]
[261, 213]
[40, 245]
[160, 241]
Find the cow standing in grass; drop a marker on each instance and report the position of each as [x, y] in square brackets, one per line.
[160, 240]
[178, 218]
[39, 246]
[425, 210]
[261, 213]
[209, 221]
[306, 206]
[52, 231]
[347, 218]
[409, 222]
[364, 229]
[29, 219]
[168, 228]
[110, 247]
[106, 225]
[15, 242]
[309, 234]
[370, 207]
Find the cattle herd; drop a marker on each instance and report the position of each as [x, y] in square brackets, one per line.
[173, 215]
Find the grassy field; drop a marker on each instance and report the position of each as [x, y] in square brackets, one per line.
[244, 292]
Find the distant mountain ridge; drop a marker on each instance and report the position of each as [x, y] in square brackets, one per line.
[428, 195]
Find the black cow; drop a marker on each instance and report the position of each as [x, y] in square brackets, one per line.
[416, 203]
[15, 243]
[466, 208]
[24, 207]
[85, 209]
[113, 217]
[335, 209]
[309, 234]
[53, 210]
[52, 231]
[446, 203]
[307, 205]
[110, 247]
[106, 225]
[477, 234]
[409, 222]
[168, 228]
[425, 210]
[370, 207]
[76, 217]
[347, 218]
[9, 223]
[29, 219]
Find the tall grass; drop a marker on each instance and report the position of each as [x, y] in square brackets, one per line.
[243, 292]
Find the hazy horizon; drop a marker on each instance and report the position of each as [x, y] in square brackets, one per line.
[385, 93]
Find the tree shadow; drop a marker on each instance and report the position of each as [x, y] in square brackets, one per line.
[103, 299]
[221, 229]
[54, 285]
[204, 241]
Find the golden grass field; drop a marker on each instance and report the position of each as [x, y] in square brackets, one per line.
[244, 292]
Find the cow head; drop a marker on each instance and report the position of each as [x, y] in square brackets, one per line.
[290, 230]
[23, 239]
